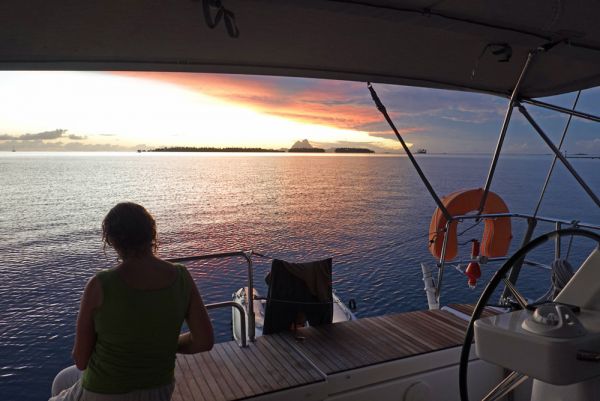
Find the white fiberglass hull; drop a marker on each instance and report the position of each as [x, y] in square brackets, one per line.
[341, 313]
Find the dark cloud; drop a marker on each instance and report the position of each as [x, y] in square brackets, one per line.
[57, 146]
[46, 135]
[43, 136]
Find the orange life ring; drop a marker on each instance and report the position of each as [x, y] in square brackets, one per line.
[497, 232]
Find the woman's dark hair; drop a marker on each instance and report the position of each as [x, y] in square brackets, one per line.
[129, 229]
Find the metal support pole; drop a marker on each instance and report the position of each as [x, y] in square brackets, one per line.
[562, 139]
[557, 242]
[240, 311]
[516, 269]
[509, 110]
[557, 153]
[383, 111]
[508, 384]
[206, 257]
[573, 112]
[430, 290]
[250, 298]
[442, 263]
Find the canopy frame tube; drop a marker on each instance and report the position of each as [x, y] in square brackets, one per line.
[551, 169]
[559, 109]
[503, 130]
[558, 154]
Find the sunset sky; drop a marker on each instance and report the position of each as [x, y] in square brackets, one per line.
[61, 111]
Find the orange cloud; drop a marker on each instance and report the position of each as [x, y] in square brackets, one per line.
[338, 104]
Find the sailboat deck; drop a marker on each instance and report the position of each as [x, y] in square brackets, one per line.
[355, 344]
[230, 372]
[286, 361]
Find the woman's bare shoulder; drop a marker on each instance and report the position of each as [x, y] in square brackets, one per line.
[92, 293]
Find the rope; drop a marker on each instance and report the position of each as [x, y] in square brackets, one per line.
[222, 13]
[470, 227]
[562, 272]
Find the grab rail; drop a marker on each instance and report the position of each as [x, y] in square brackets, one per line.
[246, 255]
[226, 304]
[575, 223]
[531, 219]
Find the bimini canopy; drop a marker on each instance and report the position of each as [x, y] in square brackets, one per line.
[476, 45]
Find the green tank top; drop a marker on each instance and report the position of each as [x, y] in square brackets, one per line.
[136, 335]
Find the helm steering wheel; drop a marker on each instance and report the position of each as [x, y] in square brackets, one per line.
[513, 380]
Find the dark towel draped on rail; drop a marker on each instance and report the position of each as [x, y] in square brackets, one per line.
[298, 288]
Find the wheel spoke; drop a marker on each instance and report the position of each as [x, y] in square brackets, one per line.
[518, 296]
[513, 380]
[510, 382]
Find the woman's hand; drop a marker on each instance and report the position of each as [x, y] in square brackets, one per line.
[85, 335]
[200, 338]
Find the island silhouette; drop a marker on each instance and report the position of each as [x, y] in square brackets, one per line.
[303, 146]
[209, 149]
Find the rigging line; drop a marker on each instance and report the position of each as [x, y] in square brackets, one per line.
[358, 251]
[569, 247]
[466, 242]
[384, 246]
[564, 134]
[380, 106]
[574, 225]
[285, 301]
[590, 192]
[469, 228]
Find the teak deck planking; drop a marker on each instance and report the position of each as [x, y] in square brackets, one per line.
[287, 360]
[468, 309]
[229, 372]
[364, 342]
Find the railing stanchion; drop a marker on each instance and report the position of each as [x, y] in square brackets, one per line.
[516, 269]
[250, 298]
[241, 312]
[441, 264]
[557, 242]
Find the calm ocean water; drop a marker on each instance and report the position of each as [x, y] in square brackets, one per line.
[371, 213]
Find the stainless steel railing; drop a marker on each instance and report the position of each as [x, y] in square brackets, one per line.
[574, 223]
[531, 221]
[247, 255]
[227, 304]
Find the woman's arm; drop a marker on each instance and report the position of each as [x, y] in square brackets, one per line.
[85, 335]
[200, 338]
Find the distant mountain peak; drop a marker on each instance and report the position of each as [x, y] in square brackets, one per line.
[304, 144]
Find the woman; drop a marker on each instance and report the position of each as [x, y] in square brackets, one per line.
[129, 322]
